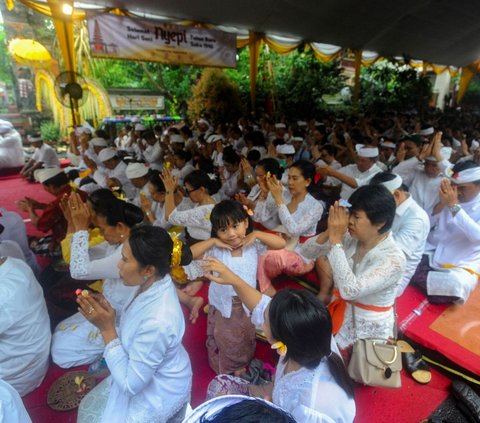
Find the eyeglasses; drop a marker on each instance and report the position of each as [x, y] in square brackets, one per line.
[189, 191]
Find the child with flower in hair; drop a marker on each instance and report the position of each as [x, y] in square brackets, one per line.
[230, 334]
[311, 381]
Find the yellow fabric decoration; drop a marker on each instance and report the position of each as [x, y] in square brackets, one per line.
[177, 272]
[280, 347]
[96, 286]
[454, 266]
[94, 238]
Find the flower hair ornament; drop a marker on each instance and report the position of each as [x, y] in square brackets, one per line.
[176, 271]
[280, 347]
[247, 210]
[212, 176]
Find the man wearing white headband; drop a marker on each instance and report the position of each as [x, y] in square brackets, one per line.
[358, 174]
[423, 173]
[113, 172]
[44, 156]
[138, 174]
[301, 151]
[11, 149]
[152, 151]
[410, 227]
[451, 267]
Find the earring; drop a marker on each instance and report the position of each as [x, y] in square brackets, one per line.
[121, 236]
[145, 278]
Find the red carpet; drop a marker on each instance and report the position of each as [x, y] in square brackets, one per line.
[410, 404]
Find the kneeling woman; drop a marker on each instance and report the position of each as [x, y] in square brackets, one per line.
[150, 370]
[311, 381]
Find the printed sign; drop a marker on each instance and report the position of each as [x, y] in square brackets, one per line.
[137, 102]
[122, 37]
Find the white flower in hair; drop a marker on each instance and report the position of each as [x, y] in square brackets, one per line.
[212, 176]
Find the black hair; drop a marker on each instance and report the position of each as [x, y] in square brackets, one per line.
[307, 169]
[101, 133]
[152, 246]
[148, 134]
[230, 156]
[330, 149]
[58, 180]
[198, 179]
[228, 212]
[72, 174]
[114, 210]
[156, 181]
[251, 410]
[184, 155]
[187, 131]
[296, 314]
[382, 177]
[253, 155]
[271, 165]
[378, 204]
[258, 139]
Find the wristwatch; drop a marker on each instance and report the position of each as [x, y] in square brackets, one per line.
[455, 209]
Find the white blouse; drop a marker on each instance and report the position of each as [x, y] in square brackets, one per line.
[308, 394]
[151, 376]
[372, 281]
[220, 296]
[83, 268]
[196, 220]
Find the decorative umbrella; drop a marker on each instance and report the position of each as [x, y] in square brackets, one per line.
[30, 53]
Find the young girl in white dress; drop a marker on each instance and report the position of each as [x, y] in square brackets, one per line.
[75, 341]
[311, 380]
[150, 369]
[230, 334]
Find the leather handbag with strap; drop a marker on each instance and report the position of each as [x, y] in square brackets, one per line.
[375, 362]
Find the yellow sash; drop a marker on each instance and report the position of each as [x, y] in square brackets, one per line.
[454, 266]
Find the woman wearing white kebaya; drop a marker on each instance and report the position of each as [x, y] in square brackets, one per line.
[151, 375]
[75, 340]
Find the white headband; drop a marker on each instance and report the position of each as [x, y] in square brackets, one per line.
[363, 151]
[388, 144]
[466, 176]
[427, 131]
[394, 184]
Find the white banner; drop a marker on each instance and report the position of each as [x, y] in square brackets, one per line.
[137, 102]
[122, 37]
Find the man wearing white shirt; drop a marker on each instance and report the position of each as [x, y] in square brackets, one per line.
[451, 267]
[358, 174]
[152, 150]
[113, 173]
[410, 227]
[137, 173]
[423, 174]
[11, 149]
[44, 156]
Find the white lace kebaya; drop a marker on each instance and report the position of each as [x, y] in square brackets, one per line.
[372, 281]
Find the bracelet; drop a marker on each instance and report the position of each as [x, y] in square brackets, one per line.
[338, 245]
[169, 192]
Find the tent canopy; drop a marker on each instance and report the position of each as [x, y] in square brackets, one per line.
[437, 31]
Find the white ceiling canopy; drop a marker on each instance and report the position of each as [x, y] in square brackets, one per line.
[437, 31]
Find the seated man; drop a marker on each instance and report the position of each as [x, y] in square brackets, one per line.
[449, 271]
[423, 173]
[410, 227]
[113, 173]
[138, 175]
[44, 156]
[355, 175]
[11, 149]
[24, 327]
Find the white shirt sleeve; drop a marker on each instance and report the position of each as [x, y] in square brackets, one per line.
[302, 225]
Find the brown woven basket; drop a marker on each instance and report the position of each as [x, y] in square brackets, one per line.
[63, 395]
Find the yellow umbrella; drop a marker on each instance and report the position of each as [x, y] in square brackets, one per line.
[30, 53]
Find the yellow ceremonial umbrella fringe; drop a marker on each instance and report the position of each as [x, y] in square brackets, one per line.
[30, 53]
[95, 108]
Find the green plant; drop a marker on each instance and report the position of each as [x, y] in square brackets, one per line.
[390, 86]
[50, 131]
[216, 97]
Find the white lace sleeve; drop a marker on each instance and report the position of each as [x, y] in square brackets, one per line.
[133, 370]
[379, 273]
[82, 268]
[311, 250]
[198, 216]
[265, 210]
[301, 225]
[259, 310]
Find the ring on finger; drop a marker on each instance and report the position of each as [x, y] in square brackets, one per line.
[91, 310]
